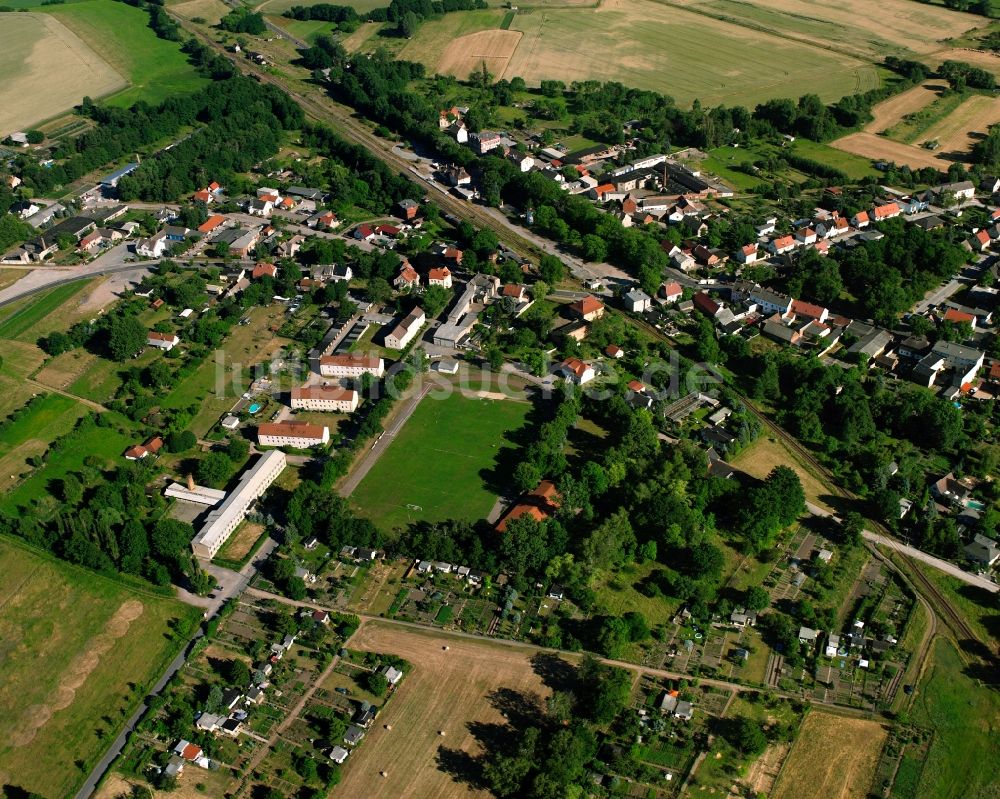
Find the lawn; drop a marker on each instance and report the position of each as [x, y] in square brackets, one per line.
[19, 319]
[766, 453]
[965, 716]
[854, 166]
[120, 34]
[46, 420]
[617, 594]
[105, 443]
[80, 651]
[458, 442]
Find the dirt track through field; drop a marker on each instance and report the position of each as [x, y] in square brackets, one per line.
[833, 758]
[76, 674]
[448, 689]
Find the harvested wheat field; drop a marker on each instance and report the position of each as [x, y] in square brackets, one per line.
[879, 148]
[967, 124]
[833, 758]
[447, 691]
[912, 100]
[46, 69]
[466, 54]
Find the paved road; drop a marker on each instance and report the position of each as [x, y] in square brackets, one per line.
[369, 459]
[46, 277]
[88, 787]
[234, 583]
[917, 554]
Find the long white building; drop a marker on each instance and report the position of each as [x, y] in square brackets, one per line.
[351, 365]
[224, 519]
[325, 398]
[300, 435]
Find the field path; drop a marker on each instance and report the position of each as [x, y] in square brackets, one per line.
[94, 406]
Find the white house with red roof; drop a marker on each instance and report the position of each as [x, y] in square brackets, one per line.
[747, 254]
[440, 276]
[880, 213]
[803, 311]
[163, 341]
[672, 291]
[577, 371]
[860, 219]
[781, 245]
[263, 269]
[805, 235]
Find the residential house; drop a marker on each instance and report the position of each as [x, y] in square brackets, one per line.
[263, 269]
[781, 245]
[832, 646]
[351, 366]
[956, 192]
[407, 279]
[807, 635]
[671, 291]
[747, 254]
[260, 207]
[980, 240]
[860, 219]
[484, 141]
[577, 371]
[637, 301]
[353, 735]
[210, 224]
[704, 303]
[588, 308]
[949, 489]
[614, 351]
[300, 435]
[806, 310]
[392, 675]
[439, 277]
[982, 550]
[880, 213]
[958, 317]
[338, 754]
[163, 341]
[805, 235]
[153, 247]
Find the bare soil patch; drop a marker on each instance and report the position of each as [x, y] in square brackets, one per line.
[467, 53]
[833, 758]
[895, 108]
[761, 457]
[764, 770]
[455, 685]
[879, 148]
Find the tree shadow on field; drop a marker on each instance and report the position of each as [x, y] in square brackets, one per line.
[462, 767]
[557, 674]
[521, 709]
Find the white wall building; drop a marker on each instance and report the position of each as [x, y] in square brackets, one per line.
[353, 366]
[325, 398]
[300, 435]
[224, 519]
[403, 333]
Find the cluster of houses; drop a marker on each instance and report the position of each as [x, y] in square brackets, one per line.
[954, 495]
[91, 230]
[473, 577]
[856, 642]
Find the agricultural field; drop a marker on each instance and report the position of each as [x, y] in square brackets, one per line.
[462, 439]
[31, 318]
[120, 34]
[833, 758]
[642, 43]
[279, 6]
[46, 68]
[451, 690]
[80, 652]
[209, 10]
[915, 29]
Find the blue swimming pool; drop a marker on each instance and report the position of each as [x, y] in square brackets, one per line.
[975, 504]
[255, 407]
